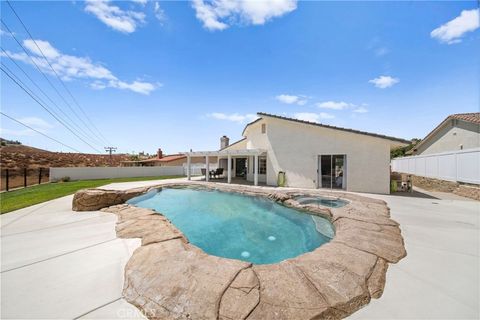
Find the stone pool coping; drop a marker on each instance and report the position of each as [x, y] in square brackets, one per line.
[170, 278]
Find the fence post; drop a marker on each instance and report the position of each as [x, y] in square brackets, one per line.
[39, 175]
[24, 177]
[6, 179]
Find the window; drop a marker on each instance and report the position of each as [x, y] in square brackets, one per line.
[264, 128]
[332, 171]
[262, 165]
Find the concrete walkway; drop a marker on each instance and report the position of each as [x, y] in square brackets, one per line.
[57, 263]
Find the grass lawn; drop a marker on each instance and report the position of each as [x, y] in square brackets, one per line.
[22, 198]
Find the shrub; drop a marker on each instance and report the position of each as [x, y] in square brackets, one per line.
[65, 179]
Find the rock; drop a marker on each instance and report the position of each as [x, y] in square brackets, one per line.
[389, 246]
[376, 282]
[285, 293]
[343, 290]
[151, 228]
[345, 224]
[128, 212]
[366, 218]
[175, 280]
[279, 196]
[241, 297]
[95, 199]
[356, 261]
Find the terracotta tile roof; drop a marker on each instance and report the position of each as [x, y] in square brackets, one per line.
[473, 117]
[469, 117]
[172, 157]
[164, 159]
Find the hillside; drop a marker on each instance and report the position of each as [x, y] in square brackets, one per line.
[16, 156]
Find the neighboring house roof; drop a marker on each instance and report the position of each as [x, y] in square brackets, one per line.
[473, 117]
[172, 157]
[232, 144]
[163, 159]
[469, 117]
[325, 126]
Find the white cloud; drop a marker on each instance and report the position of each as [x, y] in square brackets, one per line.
[70, 67]
[142, 2]
[34, 122]
[37, 123]
[360, 110]
[159, 13]
[220, 14]
[452, 31]
[135, 86]
[5, 33]
[45, 47]
[312, 117]
[291, 99]
[125, 21]
[334, 105]
[17, 133]
[234, 117]
[383, 82]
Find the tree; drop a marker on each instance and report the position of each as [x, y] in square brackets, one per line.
[401, 151]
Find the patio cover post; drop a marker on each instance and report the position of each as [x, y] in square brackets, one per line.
[207, 169]
[255, 175]
[188, 168]
[229, 166]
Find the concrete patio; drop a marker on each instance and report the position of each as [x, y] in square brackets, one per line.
[57, 263]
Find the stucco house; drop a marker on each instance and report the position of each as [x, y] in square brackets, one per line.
[311, 155]
[459, 131]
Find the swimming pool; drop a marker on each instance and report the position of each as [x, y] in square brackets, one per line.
[323, 201]
[230, 225]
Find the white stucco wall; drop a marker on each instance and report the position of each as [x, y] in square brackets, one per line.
[295, 147]
[450, 137]
[238, 145]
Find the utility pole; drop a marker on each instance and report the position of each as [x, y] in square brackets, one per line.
[110, 150]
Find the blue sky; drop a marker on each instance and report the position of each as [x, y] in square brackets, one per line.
[179, 75]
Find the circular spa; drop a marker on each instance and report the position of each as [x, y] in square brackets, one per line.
[322, 201]
[230, 225]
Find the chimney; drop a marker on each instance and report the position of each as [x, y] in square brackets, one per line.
[159, 153]
[224, 142]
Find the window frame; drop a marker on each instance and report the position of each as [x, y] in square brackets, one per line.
[262, 169]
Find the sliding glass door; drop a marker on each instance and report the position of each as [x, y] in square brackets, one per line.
[331, 171]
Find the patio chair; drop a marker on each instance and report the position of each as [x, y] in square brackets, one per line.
[204, 172]
[218, 172]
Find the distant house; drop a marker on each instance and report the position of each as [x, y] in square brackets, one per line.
[160, 161]
[311, 155]
[459, 131]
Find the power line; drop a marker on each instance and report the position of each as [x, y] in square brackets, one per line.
[110, 150]
[59, 79]
[43, 134]
[78, 128]
[47, 109]
[36, 65]
[19, 82]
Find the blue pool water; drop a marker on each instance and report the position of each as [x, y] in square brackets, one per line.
[235, 226]
[328, 202]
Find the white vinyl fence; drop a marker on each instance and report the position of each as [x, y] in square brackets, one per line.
[461, 165]
[85, 173]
